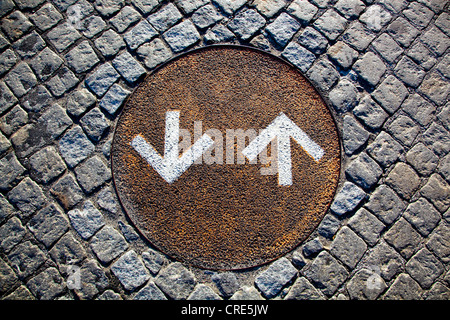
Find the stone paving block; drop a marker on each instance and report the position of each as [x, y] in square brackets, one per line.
[128, 232]
[302, 10]
[409, 72]
[7, 277]
[323, 74]
[7, 99]
[230, 7]
[385, 150]
[387, 47]
[176, 281]
[11, 171]
[342, 54]
[46, 17]
[181, 36]
[420, 54]
[283, 28]
[145, 6]
[63, 81]
[419, 109]
[48, 225]
[47, 285]
[29, 45]
[37, 99]
[435, 87]
[26, 258]
[7, 60]
[328, 226]
[79, 101]
[246, 24]
[189, 6]
[82, 58]
[63, 4]
[141, 33]
[403, 288]
[130, 271]
[109, 43]
[15, 25]
[403, 237]
[358, 36]
[150, 292]
[153, 260]
[435, 40]
[354, 136]
[384, 260]
[367, 226]
[46, 165]
[94, 124]
[437, 292]
[68, 251]
[385, 204]
[203, 292]
[165, 17]
[422, 159]
[437, 190]
[404, 180]
[365, 285]
[102, 79]
[107, 201]
[347, 199]
[86, 221]
[219, 33]
[108, 244]
[4, 142]
[444, 66]
[331, 24]
[128, 67]
[92, 173]
[67, 191]
[350, 9]
[402, 31]
[108, 7]
[269, 8]
[423, 216]
[156, 52]
[7, 6]
[55, 121]
[326, 273]
[109, 295]
[443, 23]
[418, 14]
[312, 40]
[114, 98]
[370, 68]
[437, 138]
[246, 293]
[302, 289]
[92, 26]
[375, 17]
[273, 279]
[390, 94]
[27, 196]
[11, 234]
[312, 247]
[348, 247]
[21, 79]
[62, 36]
[75, 146]
[364, 171]
[404, 129]
[6, 209]
[126, 17]
[298, 56]
[92, 279]
[226, 282]
[439, 241]
[206, 16]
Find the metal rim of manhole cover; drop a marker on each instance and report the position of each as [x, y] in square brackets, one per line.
[226, 157]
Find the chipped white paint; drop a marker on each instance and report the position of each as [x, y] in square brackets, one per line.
[283, 128]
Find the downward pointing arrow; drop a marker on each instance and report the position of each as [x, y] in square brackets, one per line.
[283, 128]
[172, 166]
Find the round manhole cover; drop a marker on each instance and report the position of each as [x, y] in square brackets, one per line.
[226, 157]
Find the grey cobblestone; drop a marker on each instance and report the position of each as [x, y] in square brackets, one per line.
[375, 17]
[67, 191]
[364, 171]
[331, 24]
[82, 58]
[347, 199]
[26, 258]
[283, 28]
[302, 289]
[422, 159]
[92, 173]
[176, 281]
[86, 221]
[274, 278]
[12, 233]
[12, 121]
[359, 289]
[141, 33]
[47, 285]
[246, 24]
[367, 226]
[385, 204]
[385, 150]
[68, 251]
[46, 164]
[422, 215]
[102, 79]
[109, 43]
[354, 135]
[403, 179]
[108, 244]
[404, 129]
[403, 237]
[46, 17]
[130, 271]
[48, 225]
[150, 292]
[75, 146]
[302, 10]
[20, 79]
[11, 170]
[203, 292]
[27, 196]
[404, 288]
[62, 36]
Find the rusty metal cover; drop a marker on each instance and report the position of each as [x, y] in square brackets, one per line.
[207, 204]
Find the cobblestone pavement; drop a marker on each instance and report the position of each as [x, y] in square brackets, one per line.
[66, 67]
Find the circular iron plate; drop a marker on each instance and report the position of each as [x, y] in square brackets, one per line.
[225, 216]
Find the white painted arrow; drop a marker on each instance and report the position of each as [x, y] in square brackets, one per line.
[283, 128]
[171, 166]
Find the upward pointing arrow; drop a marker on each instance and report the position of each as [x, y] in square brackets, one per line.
[283, 128]
[171, 166]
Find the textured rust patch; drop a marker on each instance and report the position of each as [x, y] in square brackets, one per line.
[225, 216]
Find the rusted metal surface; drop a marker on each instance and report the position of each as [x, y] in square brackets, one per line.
[225, 216]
